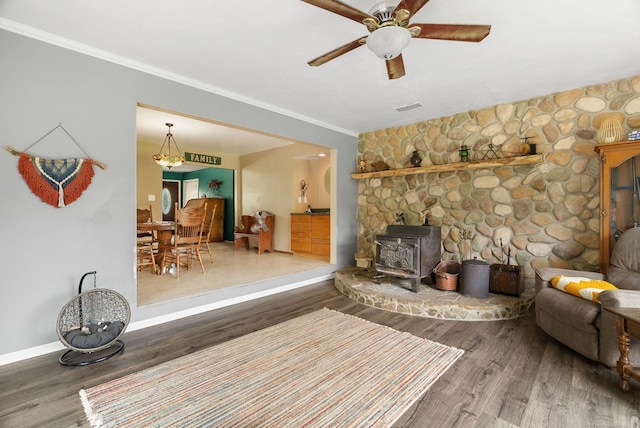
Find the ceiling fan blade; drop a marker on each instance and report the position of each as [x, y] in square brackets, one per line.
[412, 6]
[341, 9]
[337, 52]
[395, 67]
[457, 32]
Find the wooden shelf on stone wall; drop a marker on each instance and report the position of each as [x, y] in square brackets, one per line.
[489, 163]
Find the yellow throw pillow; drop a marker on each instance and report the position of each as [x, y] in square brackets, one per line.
[586, 288]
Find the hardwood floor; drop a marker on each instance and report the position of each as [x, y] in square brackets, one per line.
[511, 375]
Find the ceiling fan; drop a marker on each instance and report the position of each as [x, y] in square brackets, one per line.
[391, 32]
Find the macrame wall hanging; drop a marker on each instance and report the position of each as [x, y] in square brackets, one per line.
[57, 182]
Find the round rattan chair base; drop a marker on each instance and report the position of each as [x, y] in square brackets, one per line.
[75, 358]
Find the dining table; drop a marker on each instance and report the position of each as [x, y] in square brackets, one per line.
[164, 232]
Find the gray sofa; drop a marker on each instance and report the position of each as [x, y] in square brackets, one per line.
[581, 324]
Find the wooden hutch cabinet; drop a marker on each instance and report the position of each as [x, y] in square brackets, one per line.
[311, 235]
[619, 187]
[217, 226]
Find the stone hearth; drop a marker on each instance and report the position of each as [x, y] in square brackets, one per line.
[395, 295]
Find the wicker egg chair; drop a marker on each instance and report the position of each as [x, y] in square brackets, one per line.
[91, 324]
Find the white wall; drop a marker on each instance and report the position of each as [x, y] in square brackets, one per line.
[270, 180]
[318, 192]
[50, 248]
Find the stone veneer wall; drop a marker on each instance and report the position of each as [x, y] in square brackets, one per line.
[547, 213]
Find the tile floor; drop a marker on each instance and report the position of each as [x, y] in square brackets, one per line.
[230, 267]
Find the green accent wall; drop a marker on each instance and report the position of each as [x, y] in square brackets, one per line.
[226, 191]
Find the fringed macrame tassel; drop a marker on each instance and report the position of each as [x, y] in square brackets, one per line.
[58, 182]
[79, 184]
[38, 185]
[57, 196]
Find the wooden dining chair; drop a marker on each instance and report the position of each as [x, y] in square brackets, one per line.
[206, 234]
[187, 239]
[146, 255]
[144, 216]
[145, 244]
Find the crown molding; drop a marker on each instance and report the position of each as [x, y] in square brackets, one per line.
[43, 36]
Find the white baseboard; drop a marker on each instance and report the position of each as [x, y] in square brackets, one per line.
[37, 351]
[223, 303]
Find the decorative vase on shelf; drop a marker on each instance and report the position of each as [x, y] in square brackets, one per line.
[464, 153]
[415, 159]
[611, 131]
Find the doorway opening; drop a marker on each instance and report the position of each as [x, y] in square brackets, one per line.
[260, 172]
[170, 195]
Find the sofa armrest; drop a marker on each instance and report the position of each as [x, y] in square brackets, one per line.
[544, 276]
[609, 349]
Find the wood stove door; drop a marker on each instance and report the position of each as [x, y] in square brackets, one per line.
[398, 255]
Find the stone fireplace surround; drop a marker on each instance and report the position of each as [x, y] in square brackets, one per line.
[546, 213]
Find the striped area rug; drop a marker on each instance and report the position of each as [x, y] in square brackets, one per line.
[323, 369]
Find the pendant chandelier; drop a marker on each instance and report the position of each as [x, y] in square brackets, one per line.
[168, 159]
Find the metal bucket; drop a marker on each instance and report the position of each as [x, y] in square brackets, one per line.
[474, 279]
[447, 275]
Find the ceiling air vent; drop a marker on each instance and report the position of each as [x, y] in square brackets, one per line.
[408, 107]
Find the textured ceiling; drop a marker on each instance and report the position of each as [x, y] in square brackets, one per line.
[256, 51]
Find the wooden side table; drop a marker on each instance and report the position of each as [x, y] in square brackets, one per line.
[628, 324]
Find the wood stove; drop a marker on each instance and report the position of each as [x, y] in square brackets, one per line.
[408, 252]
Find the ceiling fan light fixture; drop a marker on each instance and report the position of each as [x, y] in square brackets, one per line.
[388, 42]
[384, 10]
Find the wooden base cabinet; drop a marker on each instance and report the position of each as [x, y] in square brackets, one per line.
[321, 236]
[301, 233]
[311, 235]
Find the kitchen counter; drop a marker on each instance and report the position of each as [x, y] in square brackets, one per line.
[311, 213]
[315, 211]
